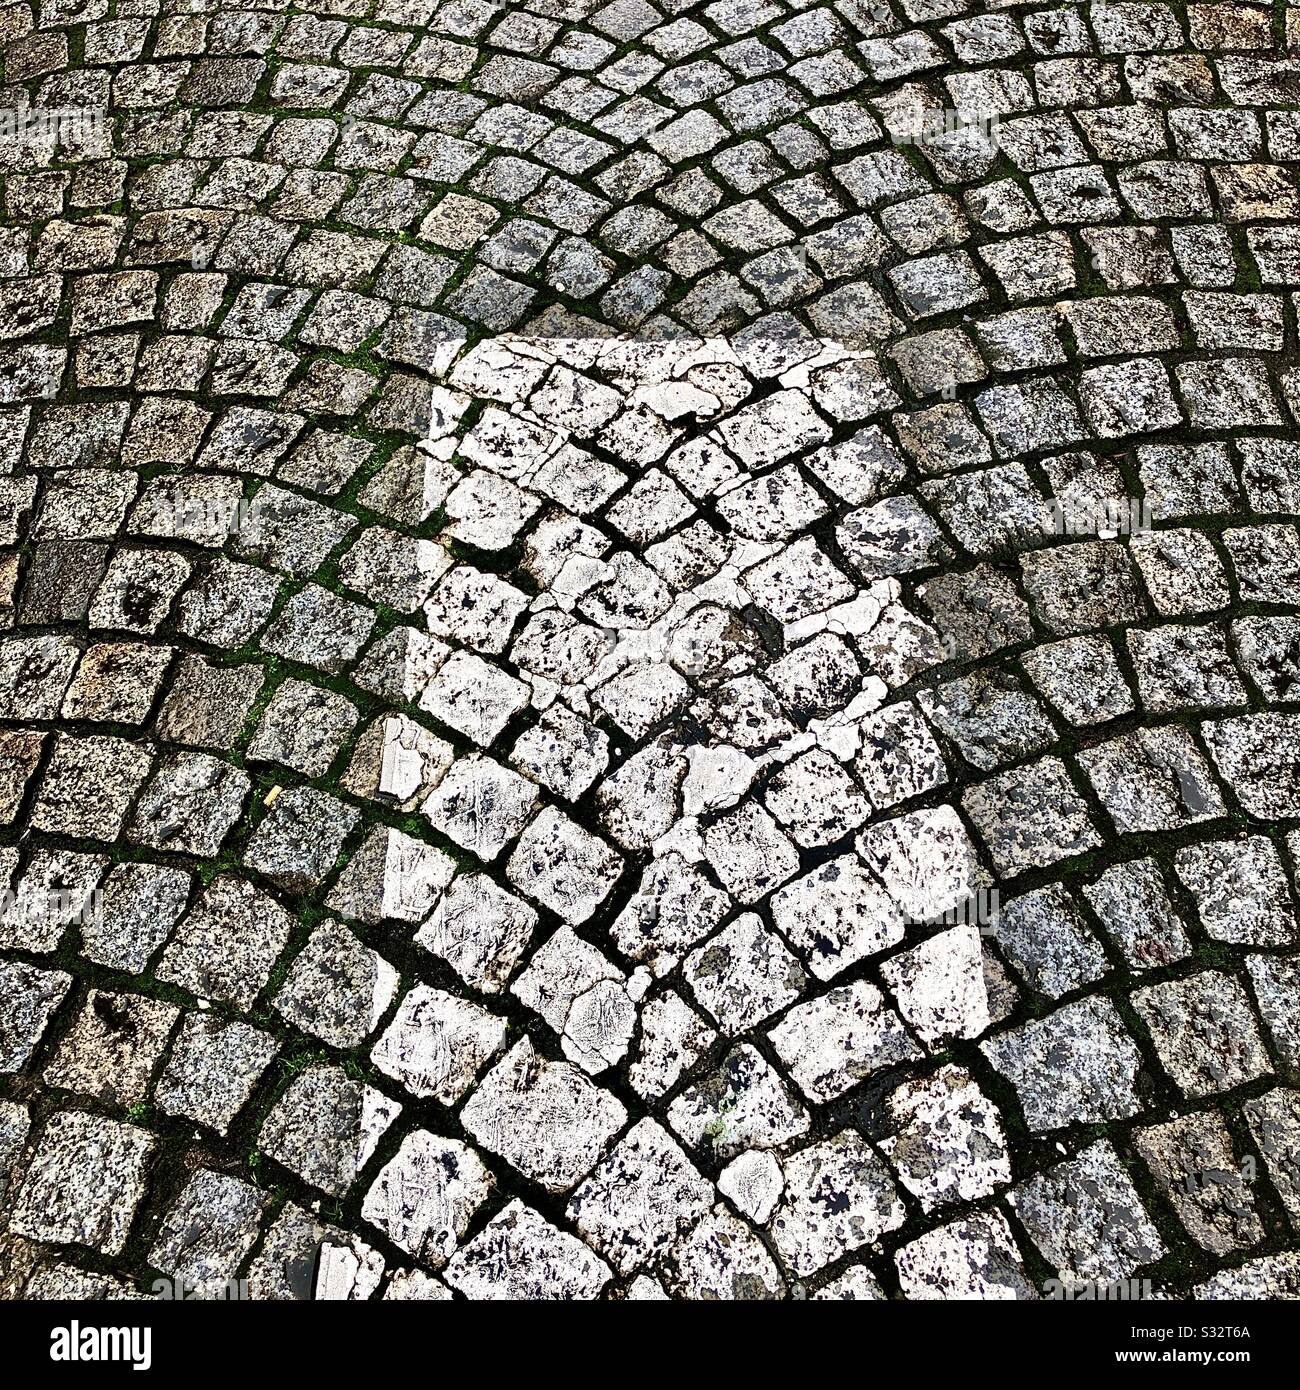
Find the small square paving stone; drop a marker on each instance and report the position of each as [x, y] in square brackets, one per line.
[1241, 890]
[1133, 904]
[1079, 587]
[138, 906]
[325, 1127]
[831, 1043]
[1258, 755]
[63, 578]
[675, 906]
[1180, 668]
[426, 1195]
[1152, 779]
[817, 678]
[980, 611]
[940, 985]
[925, 860]
[1268, 651]
[1081, 678]
[544, 1118]
[303, 727]
[89, 785]
[990, 717]
[207, 704]
[638, 803]
[743, 1104]
[749, 853]
[1182, 571]
[116, 682]
[225, 946]
[895, 536]
[289, 532]
[838, 1197]
[802, 581]
[563, 752]
[474, 698]
[112, 1047]
[754, 1183]
[297, 843]
[1075, 1066]
[972, 1258]
[1087, 1219]
[898, 757]
[642, 697]
[837, 915]
[1031, 817]
[640, 1198]
[28, 997]
[86, 1178]
[563, 866]
[1044, 937]
[189, 804]
[1267, 562]
[207, 1232]
[1204, 1032]
[945, 1139]
[480, 930]
[520, 1256]
[1192, 1161]
[1187, 480]
[138, 590]
[744, 974]
[227, 603]
[436, 1044]
[481, 806]
[337, 989]
[317, 628]
[213, 1068]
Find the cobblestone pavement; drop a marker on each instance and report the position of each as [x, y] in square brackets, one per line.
[650, 649]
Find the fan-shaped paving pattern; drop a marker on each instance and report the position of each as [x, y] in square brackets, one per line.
[651, 649]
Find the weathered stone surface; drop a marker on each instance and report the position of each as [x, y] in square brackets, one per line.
[640, 1198]
[544, 1118]
[436, 1043]
[1087, 1218]
[85, 1182]
[838, 1197]
[425, 1195]
[521, 1256]
[325, 1127]
[1076, 1065]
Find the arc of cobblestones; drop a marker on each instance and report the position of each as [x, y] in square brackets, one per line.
[650, 649]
